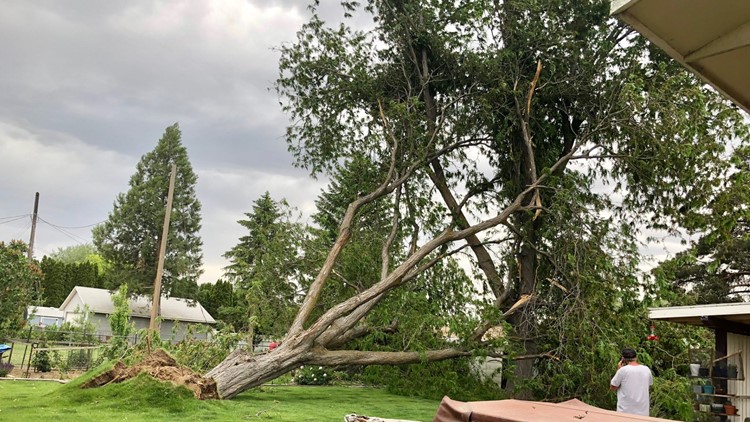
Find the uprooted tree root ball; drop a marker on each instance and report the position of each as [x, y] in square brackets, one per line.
[161, 366]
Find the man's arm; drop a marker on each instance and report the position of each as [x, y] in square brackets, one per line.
[614, 385]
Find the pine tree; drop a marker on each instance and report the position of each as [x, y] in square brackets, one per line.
[130, 237]
[263, 267]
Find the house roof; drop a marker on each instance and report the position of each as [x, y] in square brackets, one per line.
[172, 308]
[699, 314]
[711, 38]
[45, 311]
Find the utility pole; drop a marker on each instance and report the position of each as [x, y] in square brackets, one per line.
[30, 255]
[153, 326]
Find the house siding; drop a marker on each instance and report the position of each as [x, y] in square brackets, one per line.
[737, 342]
[75, 304]
[167, 331]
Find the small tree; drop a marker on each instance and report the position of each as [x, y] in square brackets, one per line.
[120, 324]
[20, 285]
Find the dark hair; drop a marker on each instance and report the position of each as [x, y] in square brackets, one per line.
[628, 354]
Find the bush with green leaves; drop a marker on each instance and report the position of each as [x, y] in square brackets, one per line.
[42, 361]
[202, 355]
[313, 375]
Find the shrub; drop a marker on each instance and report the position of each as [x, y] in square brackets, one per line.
[202, 355]
[42, 362]
[5, 368]
[312, 375]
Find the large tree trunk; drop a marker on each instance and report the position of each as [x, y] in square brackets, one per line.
[242, 370]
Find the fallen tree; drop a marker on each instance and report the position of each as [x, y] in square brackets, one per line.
[472, 113]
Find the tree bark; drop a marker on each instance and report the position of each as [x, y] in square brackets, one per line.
[243, 370]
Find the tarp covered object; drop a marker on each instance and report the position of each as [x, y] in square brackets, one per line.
[531, 411]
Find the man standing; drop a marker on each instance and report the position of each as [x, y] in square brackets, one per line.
[632, 382]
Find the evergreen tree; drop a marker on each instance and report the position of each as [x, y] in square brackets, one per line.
[216, 295]
[60, 278]
[131, 236]
[716, 268]
[263, 267]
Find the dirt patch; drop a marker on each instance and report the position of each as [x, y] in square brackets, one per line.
[163, 367]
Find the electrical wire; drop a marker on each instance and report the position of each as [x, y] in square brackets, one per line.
[75, 227]
[14, 219]
[78, 239]
[23, 231]
[15, 216]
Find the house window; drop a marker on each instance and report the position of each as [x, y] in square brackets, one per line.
[48, 321]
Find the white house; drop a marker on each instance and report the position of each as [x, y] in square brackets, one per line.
[176, 314]
[44, 316]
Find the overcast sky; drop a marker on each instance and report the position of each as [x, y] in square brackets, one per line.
[88, 87]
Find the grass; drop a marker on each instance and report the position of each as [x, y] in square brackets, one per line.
[144, 399]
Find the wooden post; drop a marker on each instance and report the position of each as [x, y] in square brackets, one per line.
[153, 326]
[30, 254]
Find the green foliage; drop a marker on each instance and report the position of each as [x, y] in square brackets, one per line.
[75, 254]
[672, 397]
[215, 295]
[456, 378]
[42, 361]
[130, 238]
[61, 277]
[263, 268]
[715, 268]
[20, 286]
[120, 324]
[313, 375]
[202, 355]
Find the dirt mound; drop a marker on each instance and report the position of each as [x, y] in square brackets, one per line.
[162, 367]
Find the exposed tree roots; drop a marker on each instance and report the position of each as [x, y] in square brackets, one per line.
[163, 367]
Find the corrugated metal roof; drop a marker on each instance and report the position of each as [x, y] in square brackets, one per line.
[711, 38]
[172, 308]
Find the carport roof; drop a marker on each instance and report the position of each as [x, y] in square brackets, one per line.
[711, 38]
[703, 315]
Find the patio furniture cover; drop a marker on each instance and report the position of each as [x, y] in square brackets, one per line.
[521, 411]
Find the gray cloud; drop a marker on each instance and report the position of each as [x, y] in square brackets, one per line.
[88, 87]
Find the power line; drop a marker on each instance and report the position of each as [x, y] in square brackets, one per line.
[75, 227]
[14, 216]
[28, 226]
[20, 217]
[72, 236]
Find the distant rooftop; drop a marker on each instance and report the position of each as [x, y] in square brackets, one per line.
[172, 308]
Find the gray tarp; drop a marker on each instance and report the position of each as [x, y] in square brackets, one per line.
[531, 411]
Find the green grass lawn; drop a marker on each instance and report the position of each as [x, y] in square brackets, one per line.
[143, 399]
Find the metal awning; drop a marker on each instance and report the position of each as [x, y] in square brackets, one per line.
[703, 315]
[709, 37]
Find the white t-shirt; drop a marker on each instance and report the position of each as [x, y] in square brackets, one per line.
[634, 382]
